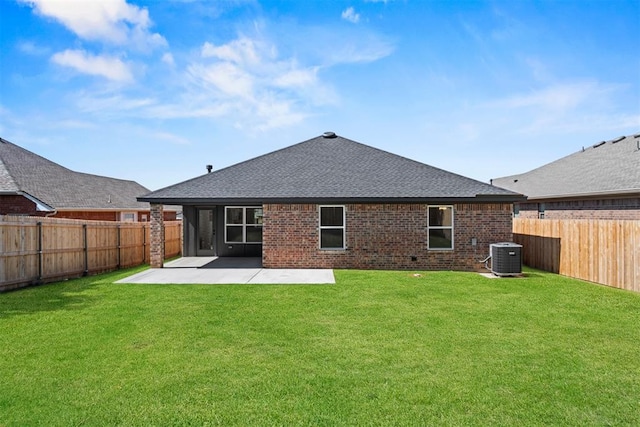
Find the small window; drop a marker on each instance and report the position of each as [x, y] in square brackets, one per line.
[332, 227]
[128, 217]
[440, 227]
[243, 224]
[541, 208]
[516, 210]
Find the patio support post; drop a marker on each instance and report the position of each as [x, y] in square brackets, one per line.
[156, 236]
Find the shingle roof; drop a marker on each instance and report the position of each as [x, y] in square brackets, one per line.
[328, 168]
[57, 187]
[607, 168]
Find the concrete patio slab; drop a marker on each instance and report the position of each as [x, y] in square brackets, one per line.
[213, 270]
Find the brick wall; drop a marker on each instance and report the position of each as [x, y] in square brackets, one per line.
[382, 236]
[16, 205]
[627, 208]
[156, 236]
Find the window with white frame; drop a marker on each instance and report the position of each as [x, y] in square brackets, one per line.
[243, 224]
[440, 227]
[128, 216]
[332, 227]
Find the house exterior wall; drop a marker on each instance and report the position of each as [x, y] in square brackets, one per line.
[382, 236]
[623, 208]
[16, 205]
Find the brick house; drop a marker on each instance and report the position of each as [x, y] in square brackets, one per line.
[598, 182]
[32, 185]
[330, 202]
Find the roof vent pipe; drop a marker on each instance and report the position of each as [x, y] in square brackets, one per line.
[209, 168]
[329, 135]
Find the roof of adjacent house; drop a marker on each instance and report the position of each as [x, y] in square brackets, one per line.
[329, 168]
[52, 186]
[608, 168]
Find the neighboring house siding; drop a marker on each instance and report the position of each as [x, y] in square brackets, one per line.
[382, 236]
[20, 205]
[626, 209]
[142, 216]
[89, 215]
[16, 205]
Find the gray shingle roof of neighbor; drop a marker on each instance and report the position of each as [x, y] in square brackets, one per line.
[606, 168]
[56, 187]
[325, 168]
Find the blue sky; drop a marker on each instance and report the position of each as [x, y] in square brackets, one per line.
[153, 91]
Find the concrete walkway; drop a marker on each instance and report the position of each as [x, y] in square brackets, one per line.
[228, 270]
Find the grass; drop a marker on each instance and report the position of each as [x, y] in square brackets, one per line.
[377, 348]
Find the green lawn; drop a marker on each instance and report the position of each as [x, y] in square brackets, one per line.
[377, 348]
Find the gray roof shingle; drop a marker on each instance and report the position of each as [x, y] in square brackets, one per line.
[60, 188]
[328, 168]
[606, 168]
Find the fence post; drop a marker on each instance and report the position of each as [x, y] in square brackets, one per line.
[118, 244]
[144, 243]
[86, 250]
[39, 228]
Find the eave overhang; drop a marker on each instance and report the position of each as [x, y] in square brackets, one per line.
[613, 194]
[480, 198]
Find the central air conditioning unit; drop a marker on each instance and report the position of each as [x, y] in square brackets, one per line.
[506, 259]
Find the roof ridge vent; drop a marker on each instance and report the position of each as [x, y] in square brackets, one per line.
[618, 139]
[599, 144]
[329, 135]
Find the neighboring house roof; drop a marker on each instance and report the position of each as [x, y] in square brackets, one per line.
[329, 168]
[606, 169]
[52, 186]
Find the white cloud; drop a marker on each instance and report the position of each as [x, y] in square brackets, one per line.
[109, 67]
[297, 78]
[277, 114]
[106, 105]
[246, 79]
[560, 97]
[167, 58]
[226, 78]
[565, 108]
[30, 48]
[349, 14]
[112, 21]
[74, 124]
[167, 136]
[242, 51]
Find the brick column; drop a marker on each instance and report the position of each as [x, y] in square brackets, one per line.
[157, 236]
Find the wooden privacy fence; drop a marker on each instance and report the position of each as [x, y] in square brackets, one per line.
[38, 250]
[601, 251]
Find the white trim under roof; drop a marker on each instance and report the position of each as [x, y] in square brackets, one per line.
[609, 194]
